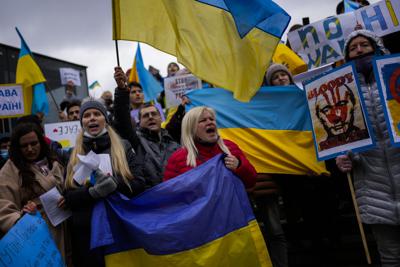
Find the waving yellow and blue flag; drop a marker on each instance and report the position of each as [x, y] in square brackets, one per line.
[273, 129]
[200, 218]
[350, 6]
[227, 43]
[31, 78]
[139, 74]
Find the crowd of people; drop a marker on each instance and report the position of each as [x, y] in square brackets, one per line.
[144, 152]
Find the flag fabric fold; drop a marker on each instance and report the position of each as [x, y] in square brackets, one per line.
[273, 129]
[94, 85]
[285, 56]
[139, 74]
[226, 43]
[350, 6]
[200, 218]
[30, 76]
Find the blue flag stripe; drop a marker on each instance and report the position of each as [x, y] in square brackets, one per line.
[272, 108]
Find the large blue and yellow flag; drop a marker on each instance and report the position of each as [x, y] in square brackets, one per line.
[151, 87]
[227, 43]
[31, 77]
[200, 218]
[273, 129]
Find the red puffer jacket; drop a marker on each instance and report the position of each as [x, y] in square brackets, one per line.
[177, 162]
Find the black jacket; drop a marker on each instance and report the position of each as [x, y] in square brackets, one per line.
[152, 149]
[81, 203]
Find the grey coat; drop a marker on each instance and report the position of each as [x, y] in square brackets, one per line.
[377, 171]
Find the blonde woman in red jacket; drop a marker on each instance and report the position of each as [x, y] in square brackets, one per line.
[201, 142]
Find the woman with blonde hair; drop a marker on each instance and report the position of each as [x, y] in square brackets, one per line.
[97, 136]
[201, 142]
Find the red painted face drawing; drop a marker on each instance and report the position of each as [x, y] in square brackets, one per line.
[335, 110]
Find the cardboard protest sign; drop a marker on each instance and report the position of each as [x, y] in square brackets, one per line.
[337, 111]
[177, 86]
[14, 101]
[322, 42]
[68, 74]
[387, 73]
[63, 132]
[29, 243]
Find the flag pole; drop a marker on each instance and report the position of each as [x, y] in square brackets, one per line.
[115, 30]
[116, 50]
[52, 96]
[360, 226]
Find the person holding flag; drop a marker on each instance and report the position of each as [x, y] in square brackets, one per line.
[201, 142]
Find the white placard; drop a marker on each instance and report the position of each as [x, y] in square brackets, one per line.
[11, 100]
[338, 115]
[63, 132]
[55, 214]
[68, 74]
[322, 42]
[177, 86]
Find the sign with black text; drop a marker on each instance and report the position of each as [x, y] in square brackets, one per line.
[338, 115]
[177, 86]
[63, 132]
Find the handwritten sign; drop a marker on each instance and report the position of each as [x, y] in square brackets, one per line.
[11, 101]
[177, 86]
[29, 243]
[68, 74]
[63, 132]
[323, 42]
[337, 111]
[387, 73]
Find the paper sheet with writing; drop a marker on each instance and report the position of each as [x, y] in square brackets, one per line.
[89, 163]
[55, 214]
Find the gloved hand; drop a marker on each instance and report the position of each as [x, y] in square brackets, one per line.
[105, 185]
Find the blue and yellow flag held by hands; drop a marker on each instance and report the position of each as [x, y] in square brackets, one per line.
[227, 43]
[273, 129]
[151, 87]
[31, 77]
[200, 218]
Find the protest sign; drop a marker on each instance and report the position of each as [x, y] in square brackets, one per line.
[13, 101]
[63, 132]
[29, 243]
[322, 42]
[338, 115]
[68, 74]
[177, 86]
[387, 73]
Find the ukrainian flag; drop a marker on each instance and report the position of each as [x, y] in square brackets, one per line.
[285, 56]
[350, 6]
[200, 218]
[227, 43]
[31, 77]
[139, 74]
[273, 129]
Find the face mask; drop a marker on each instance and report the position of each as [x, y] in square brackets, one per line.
[4, 153]
[364, 64]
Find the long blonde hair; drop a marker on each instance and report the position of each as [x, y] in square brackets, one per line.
[119, 161]
[189, 128]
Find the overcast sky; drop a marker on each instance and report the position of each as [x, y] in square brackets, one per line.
[80, 31]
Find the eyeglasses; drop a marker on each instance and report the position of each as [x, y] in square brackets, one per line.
[33, 143]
